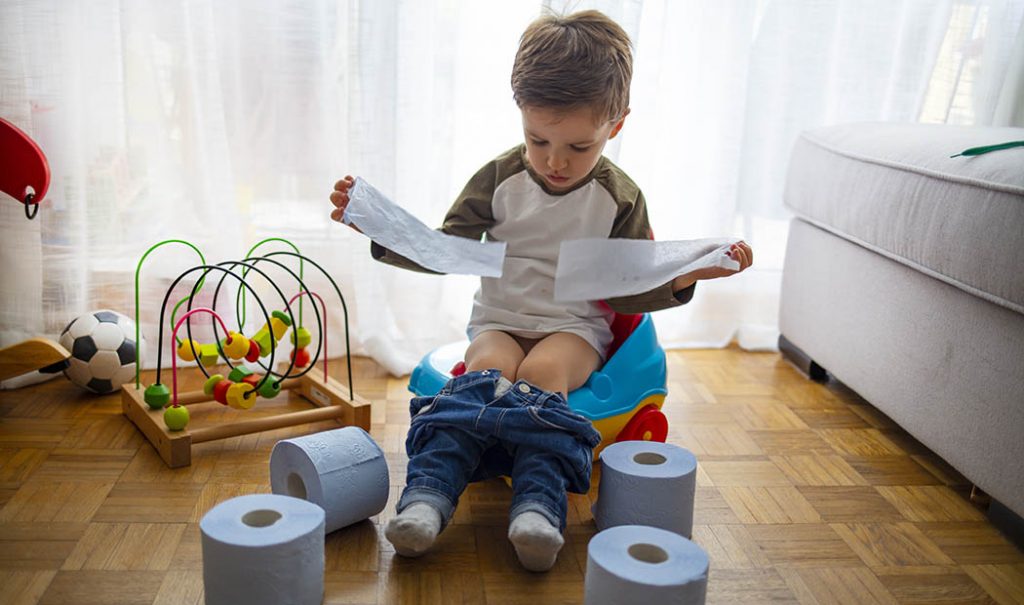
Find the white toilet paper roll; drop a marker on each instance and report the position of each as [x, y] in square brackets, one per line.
[263, 549]
[343, 471]
[636, 564]
[646, 483]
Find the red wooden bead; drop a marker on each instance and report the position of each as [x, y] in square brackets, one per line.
[301, 357]
[254, 351]
[220, 391]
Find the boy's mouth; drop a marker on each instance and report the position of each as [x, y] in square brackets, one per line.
[557, 180]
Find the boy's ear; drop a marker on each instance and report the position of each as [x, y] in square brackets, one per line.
[618, 125]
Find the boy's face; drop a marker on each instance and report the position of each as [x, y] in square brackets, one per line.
[564, 146]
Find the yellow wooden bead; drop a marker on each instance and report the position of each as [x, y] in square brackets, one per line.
[236, 345]
[279, 328]
[187, 350]
[236, 396]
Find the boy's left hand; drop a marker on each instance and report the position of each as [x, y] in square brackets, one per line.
[740, 252]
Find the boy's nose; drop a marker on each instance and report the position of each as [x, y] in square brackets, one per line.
[556, 162]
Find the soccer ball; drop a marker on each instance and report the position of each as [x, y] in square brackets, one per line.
[102, 346]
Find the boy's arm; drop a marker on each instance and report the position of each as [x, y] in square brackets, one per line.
[632, 223]
[470, 217]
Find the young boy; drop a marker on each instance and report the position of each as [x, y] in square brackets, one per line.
[508, 414]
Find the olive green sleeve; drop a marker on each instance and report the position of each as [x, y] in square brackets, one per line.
[632, 223]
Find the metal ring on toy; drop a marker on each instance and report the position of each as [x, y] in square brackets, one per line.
[30, 214]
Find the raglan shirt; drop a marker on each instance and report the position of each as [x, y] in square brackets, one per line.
[510, 203]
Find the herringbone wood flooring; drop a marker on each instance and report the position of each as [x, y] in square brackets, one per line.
[806, 494]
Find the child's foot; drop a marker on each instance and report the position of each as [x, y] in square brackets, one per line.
[414, 530]
[537, 542]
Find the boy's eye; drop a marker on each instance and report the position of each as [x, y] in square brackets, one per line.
[580, 149]
[538, 143]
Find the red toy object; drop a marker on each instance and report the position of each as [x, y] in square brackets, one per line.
[301, 357]
[220, 391]
[649, 424]
[24, 171]
[254, 351]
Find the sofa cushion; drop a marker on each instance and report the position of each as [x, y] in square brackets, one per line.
[894, 189]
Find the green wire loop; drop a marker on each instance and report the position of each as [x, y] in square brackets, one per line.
[138, 270]
[241, 293]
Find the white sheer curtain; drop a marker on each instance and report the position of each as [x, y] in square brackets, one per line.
[227, 122]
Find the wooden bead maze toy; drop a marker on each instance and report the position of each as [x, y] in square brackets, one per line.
[162, 413]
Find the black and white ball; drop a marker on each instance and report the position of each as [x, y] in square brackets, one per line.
[102, 346]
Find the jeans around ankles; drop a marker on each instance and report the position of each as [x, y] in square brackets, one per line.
[465, 434]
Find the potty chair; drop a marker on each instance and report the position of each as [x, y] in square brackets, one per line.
[622, 399]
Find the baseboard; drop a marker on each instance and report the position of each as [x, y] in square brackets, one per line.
[803, 362]
[1008, 522]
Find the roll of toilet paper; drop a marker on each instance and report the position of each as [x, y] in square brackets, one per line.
[343, 471]
[646, 483]
[263, 549]
[637, 564]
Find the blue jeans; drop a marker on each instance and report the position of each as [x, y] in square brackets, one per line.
[465, 434]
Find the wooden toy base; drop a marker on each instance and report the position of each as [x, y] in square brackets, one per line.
[175, 447]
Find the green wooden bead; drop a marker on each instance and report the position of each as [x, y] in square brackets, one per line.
[304, 338]
[157, 395]
[238, 373]
[283, 317]
[208, 355]
[211, 382]
[270, 389]
[262, 339]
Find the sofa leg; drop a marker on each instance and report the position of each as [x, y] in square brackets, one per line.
[801, 360]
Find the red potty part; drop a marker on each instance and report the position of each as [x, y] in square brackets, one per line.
[458, 369]
[23, 165]
[649, 424]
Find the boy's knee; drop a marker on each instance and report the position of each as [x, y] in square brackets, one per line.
[548, 376]
[505, 365]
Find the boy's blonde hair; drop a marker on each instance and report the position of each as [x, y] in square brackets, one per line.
[578, 60]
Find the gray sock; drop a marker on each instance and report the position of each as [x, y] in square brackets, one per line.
[414, 530]
[537, 542]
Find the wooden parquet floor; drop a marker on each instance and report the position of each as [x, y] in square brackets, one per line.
[806, 494]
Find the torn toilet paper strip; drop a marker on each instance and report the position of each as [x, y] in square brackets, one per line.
[396, 229]
[596, 269]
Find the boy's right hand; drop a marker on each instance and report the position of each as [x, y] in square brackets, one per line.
[339, 197]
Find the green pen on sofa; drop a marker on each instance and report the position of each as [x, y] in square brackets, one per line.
[988, 148]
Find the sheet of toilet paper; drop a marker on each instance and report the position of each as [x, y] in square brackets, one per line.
[635, 491]
[342, 470]
[263, 549]
[636, 564]
[393, 227]
[596, 269]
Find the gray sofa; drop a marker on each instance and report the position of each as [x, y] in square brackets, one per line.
[904, 279]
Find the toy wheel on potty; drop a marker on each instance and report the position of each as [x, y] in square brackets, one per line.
[648, 424]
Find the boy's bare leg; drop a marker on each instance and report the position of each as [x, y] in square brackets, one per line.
[559, 363]
[495, 349]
